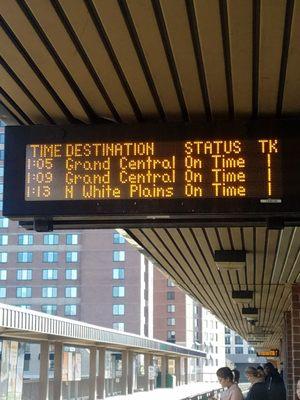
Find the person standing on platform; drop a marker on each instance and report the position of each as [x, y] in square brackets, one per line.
[298, 389]
[226, 379]
[258, 390]
[274, 382]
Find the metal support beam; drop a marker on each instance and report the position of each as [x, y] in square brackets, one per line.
[146, 377]
[178, 371]
[44, 368]
[101, 374]
[164, 367]
[186, 370]
[92, 377]
[57, 381]
[124, 372]
[130, 372]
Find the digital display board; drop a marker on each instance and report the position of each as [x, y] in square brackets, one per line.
[154, 170]
[150, 174]
[268, 353]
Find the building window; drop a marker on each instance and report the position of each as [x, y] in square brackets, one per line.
[50, 256]
[1, 188]
[49, 291]
[118, 273]
[25, 306]
[24, 292]
[171, 308]
[25, 240]
[227, 350]
[171, 321]
[239, 350]
[1, 171]
[70, 309]
[49, 309]
[171, 336]
[72, 239]
[3, 274]
[170, 295]
[1, 154]
[1, 205]
[119, 255]
[71, 291]
[118, 309]
[227, 331]
[238, 340]
[118, 238]
[3, 240]
[4, 222]
[71, 274]
[51, 239]
[251, 350]
[24, 274]
[119, 326]
[227, 340]
[50, 274]
[71, 256]
[118, 291]
[2, 136]
[3, 257]
[170, 283]
[25, 257]
[2, 292]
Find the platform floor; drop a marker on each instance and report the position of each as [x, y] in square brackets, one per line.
[177, 393]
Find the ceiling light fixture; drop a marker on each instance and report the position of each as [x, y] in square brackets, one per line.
[242, 296]
[230, 259]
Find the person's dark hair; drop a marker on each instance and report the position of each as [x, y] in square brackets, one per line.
[225, 373]
[270, 366]
[256, 372]
[260, 368]
[236, 375]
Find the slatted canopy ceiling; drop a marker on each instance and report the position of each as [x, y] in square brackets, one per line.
[84, 61]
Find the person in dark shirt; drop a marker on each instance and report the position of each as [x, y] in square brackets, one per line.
[258, 389]
[274, 382]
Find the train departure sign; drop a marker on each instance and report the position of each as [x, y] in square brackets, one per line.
[156, 172]
[268, 353]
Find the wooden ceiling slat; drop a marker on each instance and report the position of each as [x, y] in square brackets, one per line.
[272, 17]
[149, 36]
[17, 94]
[249, 247]
[236, 235]
[291, 98]
[29, 79]
[289, 270]
[12, 110]
[69, 55]
[182, 48]
[25, 33]
[283, 248]
[210, 34]
[111, 17]
[102, 63]
[240, 30]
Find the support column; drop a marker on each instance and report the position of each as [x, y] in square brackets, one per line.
[178, 371]
[57, 380]
[44, 368]
[151, 364]
[295, 322]
[288, 356]
[186, 370]
[101, 374]
[164, 366]
[130, 372]
[124, 372]
[92, 377]
[146, 367]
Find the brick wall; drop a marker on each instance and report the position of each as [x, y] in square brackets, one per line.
[288, 356]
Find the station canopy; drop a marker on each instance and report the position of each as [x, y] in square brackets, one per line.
[123, 62]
